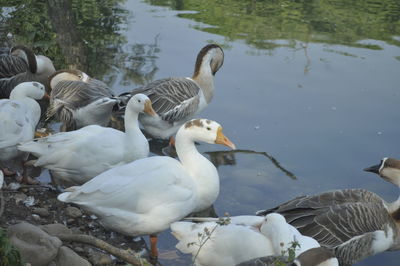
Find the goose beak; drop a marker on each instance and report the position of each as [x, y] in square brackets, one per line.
[222, 139]
[46, 96]
[148, 109]
[373, 169]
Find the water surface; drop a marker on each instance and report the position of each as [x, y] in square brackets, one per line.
[309, 90]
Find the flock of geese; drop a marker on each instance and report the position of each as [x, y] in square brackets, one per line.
[108, 172]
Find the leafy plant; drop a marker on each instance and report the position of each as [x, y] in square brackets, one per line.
[206, 235]
[9, 255]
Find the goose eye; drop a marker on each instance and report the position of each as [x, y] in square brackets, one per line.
[208, 128]
[139, 101]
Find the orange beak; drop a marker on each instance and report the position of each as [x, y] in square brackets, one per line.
[46, 96]
[222, 139]
[148, 109]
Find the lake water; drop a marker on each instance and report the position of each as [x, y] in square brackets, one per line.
[309, 91]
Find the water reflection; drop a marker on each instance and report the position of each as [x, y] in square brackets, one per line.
[74, 34]
[228, 158]
[259, 22]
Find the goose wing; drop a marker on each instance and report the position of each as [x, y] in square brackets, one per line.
[173, 98]
[11, 65]
[16, 123]
[334, 217]
[68, 96]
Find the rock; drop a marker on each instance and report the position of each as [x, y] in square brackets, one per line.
[56, 229]
[19, 197]
[42, 212]
[36, 217]
[67, 257]
[73, 212]
[36, 246]
[99, 259]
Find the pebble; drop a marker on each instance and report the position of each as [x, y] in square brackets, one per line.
[98, 258]
[14, 186]
[19, 197]
[36, 217]
[42, 212]
[73, 212]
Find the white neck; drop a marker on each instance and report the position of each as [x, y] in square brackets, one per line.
[205, 79]
[394, 206]
[202, 171]
[136, 144]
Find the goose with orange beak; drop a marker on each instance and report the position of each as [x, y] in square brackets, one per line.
[75, 157]
[144, 197]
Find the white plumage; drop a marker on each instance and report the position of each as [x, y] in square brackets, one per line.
[77, 156]
[145, 196]
[244, 238]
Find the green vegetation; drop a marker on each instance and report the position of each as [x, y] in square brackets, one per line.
[9, 256]
[261, 23]
[73, 33]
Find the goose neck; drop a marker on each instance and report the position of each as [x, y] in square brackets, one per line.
[131, 122]
[205, 79]
[202, 171]
[394, 207]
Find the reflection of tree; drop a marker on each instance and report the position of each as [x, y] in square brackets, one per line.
[138, 64]
[73, 33]
[336, 22]
[228, 158]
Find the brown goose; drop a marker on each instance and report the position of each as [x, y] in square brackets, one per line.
[39, 68]
[78, 100]
[177, 100]
[356, 223]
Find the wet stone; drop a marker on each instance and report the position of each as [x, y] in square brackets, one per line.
[42, 212]
[99, 259]
[19, 197]
[56, 229]
[73, 212]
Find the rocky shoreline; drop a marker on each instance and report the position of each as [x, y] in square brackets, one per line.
[34, 218]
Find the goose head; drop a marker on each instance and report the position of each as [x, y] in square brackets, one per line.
[139, 103]
[34, 90]
[67, 74]
[38, 64]
[44, 65]
[388, 169]
[211, 55]
[277, 230]
[205, 130]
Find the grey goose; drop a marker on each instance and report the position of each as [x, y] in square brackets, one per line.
[36, 68]
[177, 100]
[355, 223]
[78, 100]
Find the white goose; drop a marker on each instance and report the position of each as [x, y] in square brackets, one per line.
[356, 223]
[147, 195]
[177, 100]
[39, 69]
[19, 117]
[242, 239]
[77, 156]
[78, 100]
